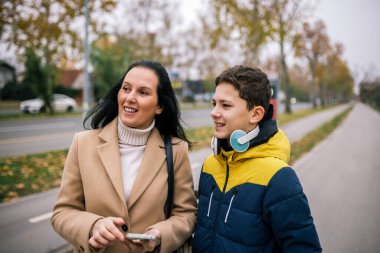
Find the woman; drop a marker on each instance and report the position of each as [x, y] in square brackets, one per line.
[115, 176]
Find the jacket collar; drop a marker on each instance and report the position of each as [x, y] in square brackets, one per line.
[270, 142]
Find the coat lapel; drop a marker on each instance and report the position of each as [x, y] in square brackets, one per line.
[154, 157]
[109, 154]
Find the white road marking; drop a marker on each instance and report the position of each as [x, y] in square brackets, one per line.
[41, 217]
[37, 138]
[37, 127]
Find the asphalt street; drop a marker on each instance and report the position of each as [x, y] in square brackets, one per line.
[341, 179]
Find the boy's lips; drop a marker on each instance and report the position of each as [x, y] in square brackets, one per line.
[218, 125]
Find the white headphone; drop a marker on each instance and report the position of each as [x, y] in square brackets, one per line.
[239, 140]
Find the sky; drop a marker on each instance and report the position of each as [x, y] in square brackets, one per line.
[353, 23]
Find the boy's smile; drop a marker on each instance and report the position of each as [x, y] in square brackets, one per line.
[230, 112]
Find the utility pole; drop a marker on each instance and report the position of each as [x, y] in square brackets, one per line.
[86, 84]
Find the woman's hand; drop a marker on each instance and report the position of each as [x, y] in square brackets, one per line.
[106, 231]
[144, 245]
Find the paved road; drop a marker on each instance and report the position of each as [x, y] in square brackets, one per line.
[25, 225]
[341, 178]
[20, 137]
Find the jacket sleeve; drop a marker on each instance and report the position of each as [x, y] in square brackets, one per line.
[287, 211]
[180, 226]
[69, 218]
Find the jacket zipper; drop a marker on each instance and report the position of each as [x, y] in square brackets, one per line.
[209, 203]
[229, 206]
[221, 200]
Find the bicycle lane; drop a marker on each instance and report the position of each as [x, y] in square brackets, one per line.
[340, 177]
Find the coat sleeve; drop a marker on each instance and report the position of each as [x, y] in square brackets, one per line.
[287, 211]
[69, 218]
[180, 226]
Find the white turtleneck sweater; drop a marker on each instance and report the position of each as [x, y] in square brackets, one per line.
[132, 143]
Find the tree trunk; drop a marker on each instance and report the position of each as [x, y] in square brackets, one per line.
[284, 79]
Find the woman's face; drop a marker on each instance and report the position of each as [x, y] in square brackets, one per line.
[137, 98]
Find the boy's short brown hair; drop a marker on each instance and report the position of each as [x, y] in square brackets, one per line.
[252, 83]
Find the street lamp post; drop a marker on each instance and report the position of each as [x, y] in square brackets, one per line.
[86, 84]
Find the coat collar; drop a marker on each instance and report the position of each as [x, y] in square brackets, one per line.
[109, 154]
[153, 160]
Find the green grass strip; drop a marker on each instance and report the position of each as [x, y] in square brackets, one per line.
[24, 175]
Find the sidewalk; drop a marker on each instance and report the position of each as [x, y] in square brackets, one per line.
[295, 130]
[340, 177]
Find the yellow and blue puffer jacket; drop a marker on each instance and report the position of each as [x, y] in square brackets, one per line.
[253, 201]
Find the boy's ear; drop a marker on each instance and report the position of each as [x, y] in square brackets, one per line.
[257, 115]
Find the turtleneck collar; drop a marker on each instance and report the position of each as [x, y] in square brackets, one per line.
[133, 136]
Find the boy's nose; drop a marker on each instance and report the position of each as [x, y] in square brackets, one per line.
[214, 113]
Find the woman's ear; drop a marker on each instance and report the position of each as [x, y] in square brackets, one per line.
[257, 115]
[159, 110]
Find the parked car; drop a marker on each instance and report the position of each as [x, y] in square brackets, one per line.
[61, 103]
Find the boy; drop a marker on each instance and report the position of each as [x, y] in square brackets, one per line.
[250, 200]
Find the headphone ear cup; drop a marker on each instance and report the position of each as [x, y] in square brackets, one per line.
[215, 145]
[235, 143]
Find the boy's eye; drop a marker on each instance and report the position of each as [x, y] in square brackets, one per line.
[213, 104]
[226, 105]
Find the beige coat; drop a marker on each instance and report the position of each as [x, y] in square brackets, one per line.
[92, 188]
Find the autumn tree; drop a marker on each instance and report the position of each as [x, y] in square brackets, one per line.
[110, 57]
[243, 22]
[370, 91]
[313, 44]
[336, 83]
[285, 18]
[199, 54]
[47, 27]
[149, 27]
[36, 74]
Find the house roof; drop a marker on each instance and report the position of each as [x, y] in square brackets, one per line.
[67, 78]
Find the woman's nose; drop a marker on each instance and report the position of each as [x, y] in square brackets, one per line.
[131, 96]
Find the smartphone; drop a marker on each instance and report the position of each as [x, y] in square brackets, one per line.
[133, 236]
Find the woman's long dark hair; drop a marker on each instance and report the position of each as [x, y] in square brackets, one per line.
[168, 122]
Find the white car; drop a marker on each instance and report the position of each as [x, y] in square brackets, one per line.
[61, 103]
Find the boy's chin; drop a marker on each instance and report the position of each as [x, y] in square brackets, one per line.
[221, 136]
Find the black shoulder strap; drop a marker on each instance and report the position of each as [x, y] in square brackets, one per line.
[169, 161]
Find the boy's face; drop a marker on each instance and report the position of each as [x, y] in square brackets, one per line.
[231, 112]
